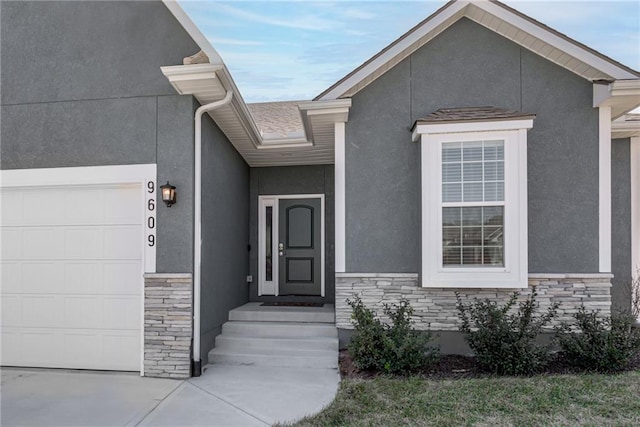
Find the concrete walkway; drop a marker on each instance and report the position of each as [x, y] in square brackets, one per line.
[222, 396]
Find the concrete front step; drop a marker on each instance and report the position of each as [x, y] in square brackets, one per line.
[279, 329]
[278, 336]
[275, 345]
[256, 312]
[221, 357]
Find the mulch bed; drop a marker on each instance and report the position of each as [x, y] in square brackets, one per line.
[453, 366]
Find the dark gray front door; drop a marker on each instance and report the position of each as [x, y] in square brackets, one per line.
[299, 247]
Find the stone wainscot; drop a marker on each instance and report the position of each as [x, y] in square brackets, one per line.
[168, 325]
[435, 308]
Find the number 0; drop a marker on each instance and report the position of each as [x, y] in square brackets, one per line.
[151, 222]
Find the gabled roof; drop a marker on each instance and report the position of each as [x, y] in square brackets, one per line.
[506, 21]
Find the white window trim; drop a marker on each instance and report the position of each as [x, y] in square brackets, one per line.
[515, 271]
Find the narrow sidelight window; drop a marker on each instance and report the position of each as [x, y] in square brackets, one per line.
[268, 243]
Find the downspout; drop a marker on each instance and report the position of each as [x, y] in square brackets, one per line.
[197, 229]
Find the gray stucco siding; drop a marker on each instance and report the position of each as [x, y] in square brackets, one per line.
[225, 232]
[288, 180]
[58, 51]
[175, 159]
[621, 223]
[383, 178]
[562, 161]
[469, 65]
[80, 133]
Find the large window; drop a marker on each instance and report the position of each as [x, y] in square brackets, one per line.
[474, 204]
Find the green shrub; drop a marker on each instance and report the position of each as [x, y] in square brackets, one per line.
[503, 341]
[390, 348]
[606, 344]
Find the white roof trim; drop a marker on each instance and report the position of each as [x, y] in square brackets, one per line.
[451, 13]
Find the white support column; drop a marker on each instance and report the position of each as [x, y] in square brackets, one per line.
[635, 206]
[340, 198]
[604, 189]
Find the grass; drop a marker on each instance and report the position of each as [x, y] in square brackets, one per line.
[557, 400]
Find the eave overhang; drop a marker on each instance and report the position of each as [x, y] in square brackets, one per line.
[627, 126]
[210, 82]
[621, 95]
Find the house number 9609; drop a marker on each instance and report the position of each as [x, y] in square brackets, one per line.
[151, 218]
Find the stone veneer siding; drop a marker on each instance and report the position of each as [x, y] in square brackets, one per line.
[168, 325]
[435, 308]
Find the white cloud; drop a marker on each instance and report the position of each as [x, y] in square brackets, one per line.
[303, 22]
[233, 42]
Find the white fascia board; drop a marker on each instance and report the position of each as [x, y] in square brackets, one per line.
[190, 72]
[193, 31]
[325, 104]
[393, 51]
[556, 41]
[470, 126]
[338, 107]
[615, 92]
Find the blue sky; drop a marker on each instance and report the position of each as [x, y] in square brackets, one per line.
[286, 50]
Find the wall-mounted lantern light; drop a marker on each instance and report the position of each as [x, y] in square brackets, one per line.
[168, 194]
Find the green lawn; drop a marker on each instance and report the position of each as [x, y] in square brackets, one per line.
[562, 400]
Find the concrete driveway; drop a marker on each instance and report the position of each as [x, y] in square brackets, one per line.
[222, 396]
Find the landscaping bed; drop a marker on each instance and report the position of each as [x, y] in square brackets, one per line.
[457, 366]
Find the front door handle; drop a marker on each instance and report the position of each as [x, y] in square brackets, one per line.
[281, 249]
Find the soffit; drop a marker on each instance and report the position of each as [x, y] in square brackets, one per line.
[627, 126]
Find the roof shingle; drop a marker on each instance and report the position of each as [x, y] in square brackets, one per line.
[485, 113]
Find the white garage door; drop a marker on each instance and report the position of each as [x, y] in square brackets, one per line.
[72, 266]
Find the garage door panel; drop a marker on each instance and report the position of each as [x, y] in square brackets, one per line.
[122, 312]
[121, 205]
[11, 310]
[35, 344]
[42, 243]
[82, 312]
[43, 207]
[11, 243]
[72, 264]
[11, 207]
[42, 311]
[121, 348]
[83, 243]
[122, 278]
[83, 277]
[11, 276]
[82, 348]
[42, 277]
[119, 242]
[10, 346]
[84, 206]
